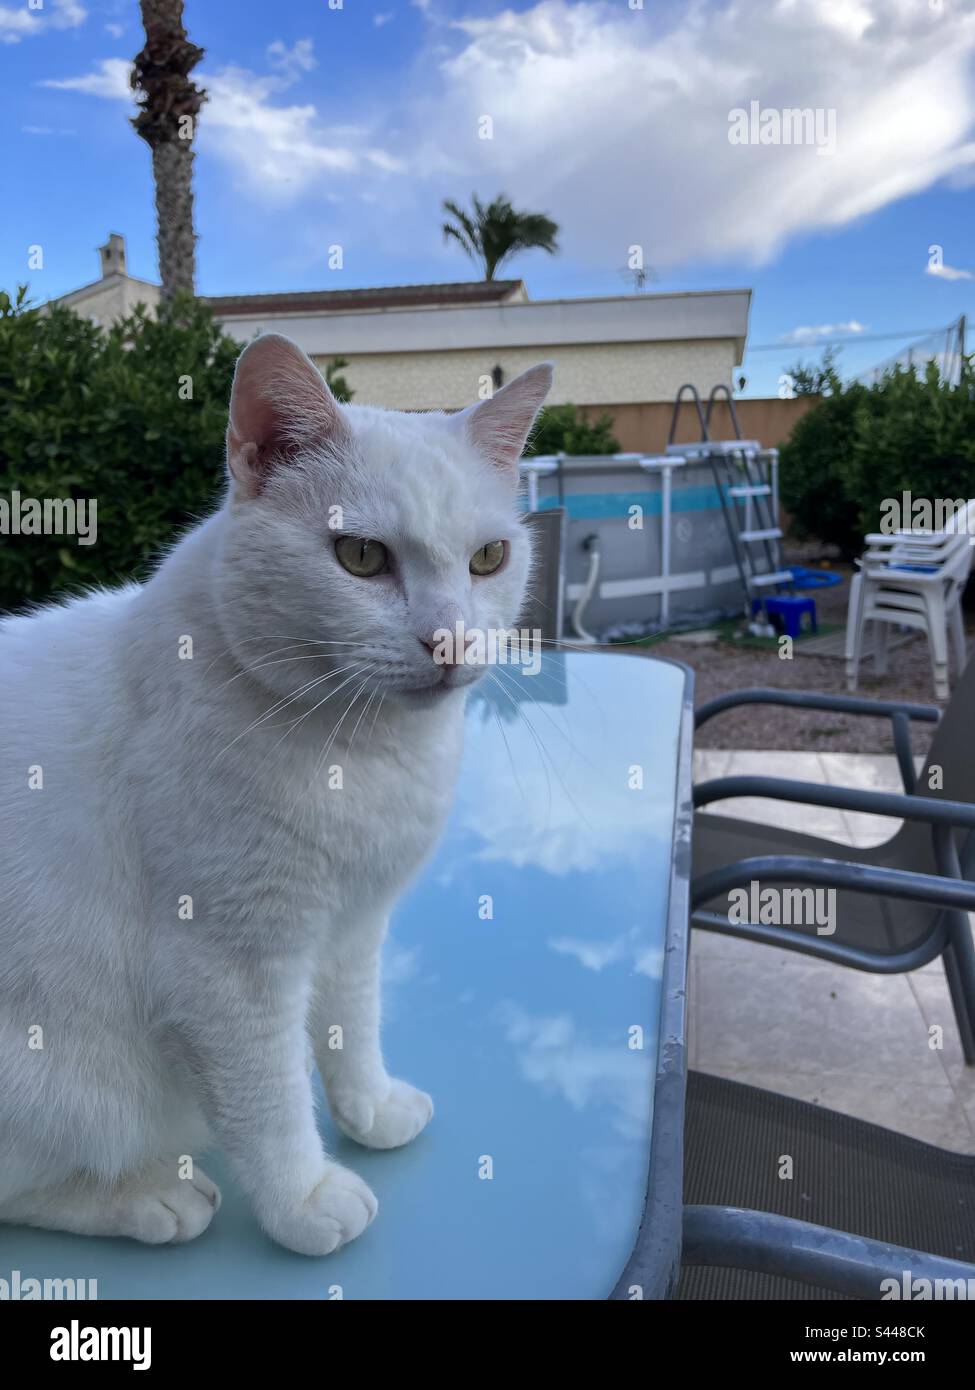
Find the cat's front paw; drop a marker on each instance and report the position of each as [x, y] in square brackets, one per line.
[384, 1119]
[339, 1207]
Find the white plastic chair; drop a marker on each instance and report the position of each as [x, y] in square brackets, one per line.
[912, 579]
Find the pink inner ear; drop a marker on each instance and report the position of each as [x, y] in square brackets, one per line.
[279, 401]
[500, 426]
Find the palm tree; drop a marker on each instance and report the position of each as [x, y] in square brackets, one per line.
[497, 231]
[169, 104]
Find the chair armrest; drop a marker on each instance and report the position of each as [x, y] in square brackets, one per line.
[928, 809]
[834, 873]
[925, 538]
[737, 1238]
[815, 699]
[941, 892]
[897, 711]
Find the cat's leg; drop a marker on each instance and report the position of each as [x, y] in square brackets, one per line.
[154, 1205]
[251, 1066]
[367, 1104]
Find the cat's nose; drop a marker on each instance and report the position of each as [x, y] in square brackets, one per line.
[447, 652]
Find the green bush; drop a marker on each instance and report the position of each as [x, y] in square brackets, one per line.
[860, 445]
[133, 416]
[561, 429]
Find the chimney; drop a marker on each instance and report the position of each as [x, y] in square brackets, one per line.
[113, 255]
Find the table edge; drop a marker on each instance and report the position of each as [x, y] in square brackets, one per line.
[654, 1263]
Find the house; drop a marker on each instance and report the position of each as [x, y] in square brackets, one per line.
[428, 347]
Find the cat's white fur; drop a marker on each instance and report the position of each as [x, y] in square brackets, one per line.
[139, 784]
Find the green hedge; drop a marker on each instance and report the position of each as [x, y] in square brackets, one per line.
[561, 429]
[133, 416]
[860, 445]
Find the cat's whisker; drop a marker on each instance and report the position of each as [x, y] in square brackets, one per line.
[262, 665]
[335, 731]
[365, 708]
[543, 750]
[372, 726]
[518, 712]
[514, 770]
[355, 668]
[284, 702]
[501, 671]
[284, 637]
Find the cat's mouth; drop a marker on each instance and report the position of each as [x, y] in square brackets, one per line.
[449, 682]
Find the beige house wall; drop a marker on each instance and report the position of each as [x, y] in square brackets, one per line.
[111, 299]
[585, 374]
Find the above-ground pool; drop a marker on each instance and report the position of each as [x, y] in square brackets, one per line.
[665, 554]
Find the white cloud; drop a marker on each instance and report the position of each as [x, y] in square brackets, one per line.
[22, 23]
[382, 19]
[116, 30]
[109, 79]
[292, 62]
[279, 150]
[552, 1055]
[812, 334]
[598, 952]
[947, 272]
[615, 123]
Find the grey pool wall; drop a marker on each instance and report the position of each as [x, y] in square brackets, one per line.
[665, 555]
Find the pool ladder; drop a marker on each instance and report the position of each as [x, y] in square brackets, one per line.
[743, 474]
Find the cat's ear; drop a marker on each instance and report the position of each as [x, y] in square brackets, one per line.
[499, 427]
[279, 404]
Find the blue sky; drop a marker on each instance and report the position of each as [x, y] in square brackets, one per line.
[347, 126]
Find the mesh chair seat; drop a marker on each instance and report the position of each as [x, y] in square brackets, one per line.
[884, 925]
[847, 1175]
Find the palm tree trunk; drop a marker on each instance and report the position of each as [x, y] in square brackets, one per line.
[172, 171]
[168, 107]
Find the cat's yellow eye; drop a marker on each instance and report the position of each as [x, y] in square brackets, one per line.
[488, 558]
[363, 558]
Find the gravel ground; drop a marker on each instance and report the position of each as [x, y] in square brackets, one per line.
[726, 665]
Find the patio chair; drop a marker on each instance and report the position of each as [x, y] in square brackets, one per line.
[863, 1205]
[911, 579]
[897, 904]
[543, 609]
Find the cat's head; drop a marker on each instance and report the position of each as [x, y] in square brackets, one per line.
[364, 533]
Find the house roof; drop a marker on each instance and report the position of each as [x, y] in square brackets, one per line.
[350, 329]
[380, 297]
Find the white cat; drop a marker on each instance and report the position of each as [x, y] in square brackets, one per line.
[189, 900]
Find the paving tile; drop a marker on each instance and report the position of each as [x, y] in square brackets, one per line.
[811, 1017]
[762, 960]
[929, 1112]
[931, 991]
[710, 763]
[802, 767]
[869, 772]
[693, 1013]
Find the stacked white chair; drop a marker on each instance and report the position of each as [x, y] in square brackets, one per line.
[912, 579]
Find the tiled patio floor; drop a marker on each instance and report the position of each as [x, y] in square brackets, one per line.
[843, 1038]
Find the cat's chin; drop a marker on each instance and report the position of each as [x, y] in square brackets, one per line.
[430, 696]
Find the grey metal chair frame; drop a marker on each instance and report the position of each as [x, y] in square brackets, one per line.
[732, 1237]
[949, 936]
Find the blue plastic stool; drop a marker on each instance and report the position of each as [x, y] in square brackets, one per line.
[789, 608]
